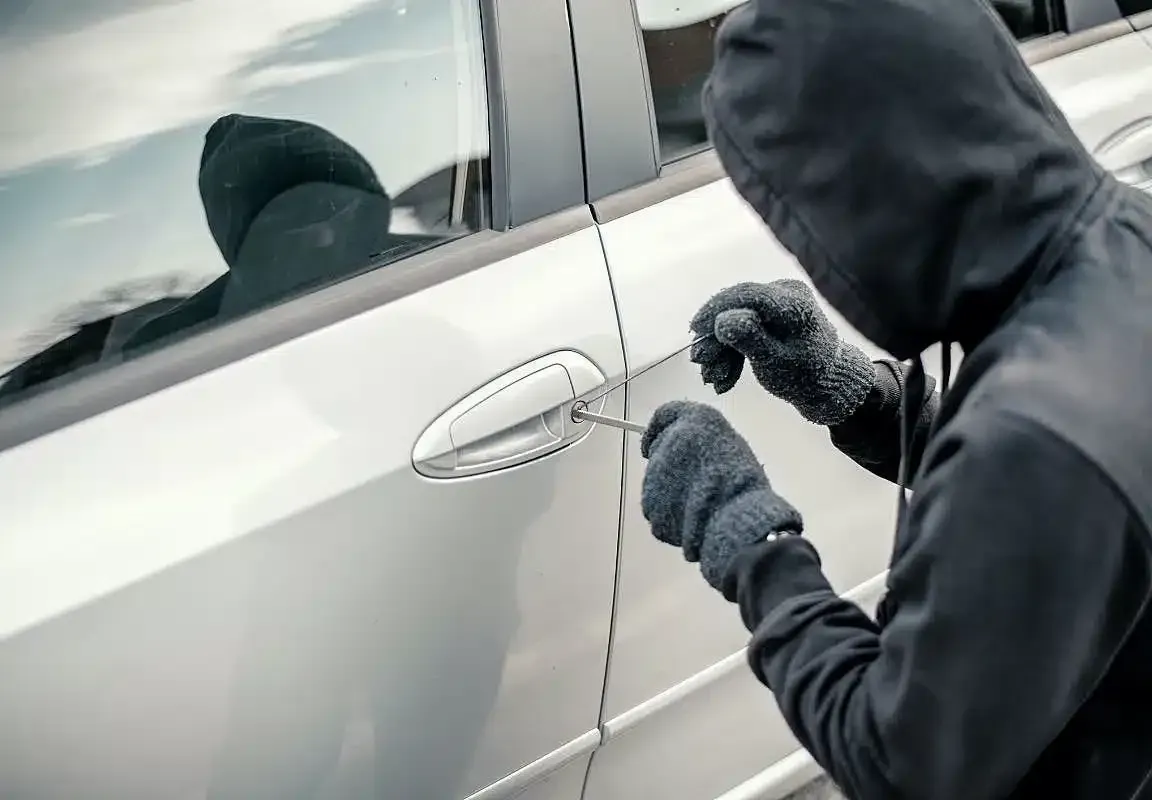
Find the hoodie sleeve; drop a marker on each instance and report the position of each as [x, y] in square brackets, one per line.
[871, 436]
[1021, 582]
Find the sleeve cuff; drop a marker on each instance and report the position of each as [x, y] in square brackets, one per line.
[770, 572]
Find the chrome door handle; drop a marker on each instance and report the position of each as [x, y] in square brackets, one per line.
[522, 415]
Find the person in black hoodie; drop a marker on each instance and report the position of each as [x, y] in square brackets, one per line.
[908, 158]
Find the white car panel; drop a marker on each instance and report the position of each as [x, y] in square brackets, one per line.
[665, 261]
[1102, 88]
[670, 625]
[246, 579]
[1106, 92]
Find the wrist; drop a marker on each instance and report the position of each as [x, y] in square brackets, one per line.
[843, 387]
[746, 521]
[767, 574]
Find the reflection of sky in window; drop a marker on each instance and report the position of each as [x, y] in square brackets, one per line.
[100, 137]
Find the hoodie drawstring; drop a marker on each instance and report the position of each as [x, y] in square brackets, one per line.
[911, 404]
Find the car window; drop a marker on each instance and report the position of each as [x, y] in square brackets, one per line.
[169, 167]
[1130, 7]
[1027, 19]
[678, 40]
[677, 36]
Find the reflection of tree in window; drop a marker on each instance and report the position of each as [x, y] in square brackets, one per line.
[88, 331]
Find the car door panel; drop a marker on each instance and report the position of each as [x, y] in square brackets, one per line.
[722, 725]
[650, 759]
[665, 261]
[239, 586]
[1103, 88]
[1106, 92]
[671, 629]
[563, 783]
[558, 776]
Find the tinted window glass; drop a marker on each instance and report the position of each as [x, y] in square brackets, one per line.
[166, 167]
[678, 40]
[1027, 19]
[1130, 7]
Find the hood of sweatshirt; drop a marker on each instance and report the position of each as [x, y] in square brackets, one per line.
[921, 185]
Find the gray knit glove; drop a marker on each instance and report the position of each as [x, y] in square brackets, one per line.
[704, 490]
[795, 352]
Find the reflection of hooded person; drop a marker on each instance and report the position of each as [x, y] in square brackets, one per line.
[291, 207]
[394, 602]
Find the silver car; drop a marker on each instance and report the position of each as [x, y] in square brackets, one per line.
[296, 299]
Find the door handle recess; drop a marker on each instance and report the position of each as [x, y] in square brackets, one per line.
[522, 415]
[1127, 154]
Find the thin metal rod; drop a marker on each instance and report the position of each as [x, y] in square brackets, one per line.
[581, 414]
[624, 382]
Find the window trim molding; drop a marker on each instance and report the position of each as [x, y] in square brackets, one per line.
[1047, 48]
[677, 178]
[533, 122]
[617, 118]
[537, 114]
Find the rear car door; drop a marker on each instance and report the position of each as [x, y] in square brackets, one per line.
[674, 233]
[294, 301]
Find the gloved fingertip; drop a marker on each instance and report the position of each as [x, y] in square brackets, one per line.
[665, 536]
[662, 418]
[742, 330]
[713, 371]
[705, 350]
[646, 442]
[724, 386]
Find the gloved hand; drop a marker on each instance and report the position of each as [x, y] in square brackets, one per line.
[704, 490]
[795, 352]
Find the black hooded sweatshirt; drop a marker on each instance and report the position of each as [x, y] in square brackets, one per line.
[905, 154]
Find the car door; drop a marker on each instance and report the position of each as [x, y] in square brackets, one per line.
[295, 299]
[678, 681]
[675, 232]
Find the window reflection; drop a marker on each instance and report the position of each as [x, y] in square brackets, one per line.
[170, 166]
